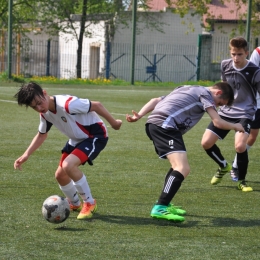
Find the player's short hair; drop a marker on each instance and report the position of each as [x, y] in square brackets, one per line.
[27, 93]
[238, 42]
[227, 91]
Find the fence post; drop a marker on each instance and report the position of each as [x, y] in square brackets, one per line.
[107, 60]
[2, 60]
[256, 43]
[198, 58]
[10, 34]
[204, 59]
[48, 57]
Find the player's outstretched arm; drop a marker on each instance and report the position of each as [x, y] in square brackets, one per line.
[102, 111]
[35, 144]
[222, 124]
[148, 107]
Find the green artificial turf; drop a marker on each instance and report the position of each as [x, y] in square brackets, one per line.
[126, 179]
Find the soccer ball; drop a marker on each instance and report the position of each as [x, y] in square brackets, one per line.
[56, 209]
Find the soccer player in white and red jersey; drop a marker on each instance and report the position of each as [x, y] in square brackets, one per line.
[79, 120]
[171, 117]
[244, 77]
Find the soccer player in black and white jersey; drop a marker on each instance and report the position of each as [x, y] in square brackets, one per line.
[244, 77]
[255, 58]
[79, 120]
[171, 117]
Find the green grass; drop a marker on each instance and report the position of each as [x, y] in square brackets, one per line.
[126, 179]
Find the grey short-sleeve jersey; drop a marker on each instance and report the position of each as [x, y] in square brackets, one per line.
[182, 108]
[245, 83]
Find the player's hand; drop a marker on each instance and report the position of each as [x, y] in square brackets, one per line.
[18, 163]
[133, 118]
[239, 128]
[117, 124]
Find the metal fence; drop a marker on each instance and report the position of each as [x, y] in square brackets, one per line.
[153, 62]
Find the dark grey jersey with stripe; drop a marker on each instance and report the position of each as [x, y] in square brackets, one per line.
[245, 83]
[182, 108]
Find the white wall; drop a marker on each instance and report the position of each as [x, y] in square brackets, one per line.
[68, 46]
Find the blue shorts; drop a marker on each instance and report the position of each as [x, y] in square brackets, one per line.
[86, 150]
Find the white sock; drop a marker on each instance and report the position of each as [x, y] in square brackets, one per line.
[84, 189]
[235, 160]
[70, 192]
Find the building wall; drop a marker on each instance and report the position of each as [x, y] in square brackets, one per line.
[68, 47]
[162, 56]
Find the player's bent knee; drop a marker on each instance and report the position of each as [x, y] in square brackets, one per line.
[240, 148]
[184, 170]
[59, 177]
[206, 144]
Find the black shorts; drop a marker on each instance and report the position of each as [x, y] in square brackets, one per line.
[165, 141]
[246, 123]
[256, 123]
[86, 151]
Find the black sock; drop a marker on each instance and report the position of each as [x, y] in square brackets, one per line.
[171, 186]
[215, 154]
[242, 164]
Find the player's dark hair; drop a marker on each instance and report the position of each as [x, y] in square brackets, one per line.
[227, 92]
[27, 93]
[238, 42]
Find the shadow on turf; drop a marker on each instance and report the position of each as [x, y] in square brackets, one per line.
[255, 188]
[232, 222]
[70, 229]
[126, 220]
[218, 222]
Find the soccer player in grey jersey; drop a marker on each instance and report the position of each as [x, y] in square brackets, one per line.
[171, 117]
[254, 130]
[244, 77]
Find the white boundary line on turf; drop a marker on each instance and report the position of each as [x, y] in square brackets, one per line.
[118, 114]
[9, 101]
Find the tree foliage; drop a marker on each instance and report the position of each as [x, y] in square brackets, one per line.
[56, 16]
[202, 8]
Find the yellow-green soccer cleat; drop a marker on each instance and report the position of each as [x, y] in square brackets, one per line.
[87, 210]
[176, 210]
[243, 186]
[163, 212]
[217, 178]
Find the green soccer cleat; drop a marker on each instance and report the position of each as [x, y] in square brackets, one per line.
[171, 204]
[176, 210]
[163, 212]
[243, 186]
[217, 178]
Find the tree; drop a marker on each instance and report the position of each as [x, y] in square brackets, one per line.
[202, 8]
[58, 17]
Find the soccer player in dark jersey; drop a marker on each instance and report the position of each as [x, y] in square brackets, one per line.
[244, 77]
[79, 120]
[254, 130]
[171, 117]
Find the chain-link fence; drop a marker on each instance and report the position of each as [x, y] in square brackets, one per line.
[161, 62]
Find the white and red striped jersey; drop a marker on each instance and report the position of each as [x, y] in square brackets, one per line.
[73, 118]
